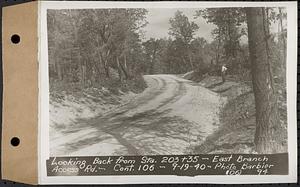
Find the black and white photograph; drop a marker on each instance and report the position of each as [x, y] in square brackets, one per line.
[183, 89]
[137, 81]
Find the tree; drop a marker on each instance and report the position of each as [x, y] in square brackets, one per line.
[282, 33]
[90, 46]
[268, 135]
[125, 25]
[183, 30]
[173, 57]
[229, 22]
[64, 52]
[152, 49]
[111, 34]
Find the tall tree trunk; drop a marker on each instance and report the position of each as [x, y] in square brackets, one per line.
[102, 60]
[185, 62]
[190, 60]
[119, 69]
[153, 60]
[96, 66]
[124, 71]
[104, 63]
[218, 47]
[282, 35]
[189, 56]
[125, 61]
[106, 68]
[268, 135]
[83, 73]
[90, 68]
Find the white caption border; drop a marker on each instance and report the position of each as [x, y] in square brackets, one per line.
[44, 96]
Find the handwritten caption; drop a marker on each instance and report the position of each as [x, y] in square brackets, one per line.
[184, 165]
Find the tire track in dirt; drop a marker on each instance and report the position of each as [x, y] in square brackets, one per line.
[180, 92]
[125, 121]
[142, 99]
[150, 123]
[111, 122]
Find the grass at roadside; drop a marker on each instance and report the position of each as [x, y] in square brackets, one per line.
[237, 117]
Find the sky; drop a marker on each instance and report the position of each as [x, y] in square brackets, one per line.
[158, 23]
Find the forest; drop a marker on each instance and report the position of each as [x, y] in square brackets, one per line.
[89, 47]
[107, 48]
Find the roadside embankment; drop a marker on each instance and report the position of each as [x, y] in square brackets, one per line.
[235, 133]
[237, 117]
[67, 109]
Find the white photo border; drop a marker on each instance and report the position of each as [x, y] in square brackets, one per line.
[291, 79]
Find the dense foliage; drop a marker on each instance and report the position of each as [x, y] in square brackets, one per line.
[97, 46]
[92, 47]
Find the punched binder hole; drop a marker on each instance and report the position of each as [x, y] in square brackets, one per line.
[15, 141]
[15, 39]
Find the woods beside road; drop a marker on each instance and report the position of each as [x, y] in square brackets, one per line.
[110, 86]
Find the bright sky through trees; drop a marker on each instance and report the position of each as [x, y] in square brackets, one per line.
[158, 26]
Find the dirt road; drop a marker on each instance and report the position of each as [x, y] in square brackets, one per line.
[170, 117]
